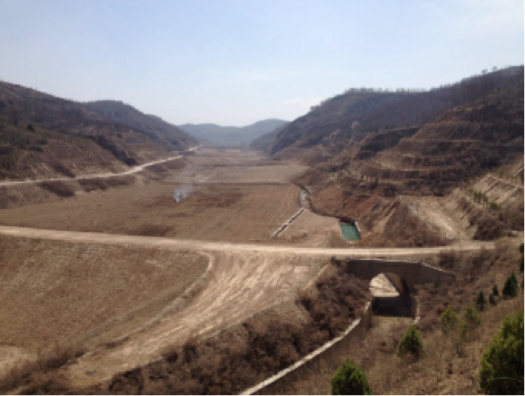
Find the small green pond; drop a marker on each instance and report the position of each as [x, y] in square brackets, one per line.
[350, 232]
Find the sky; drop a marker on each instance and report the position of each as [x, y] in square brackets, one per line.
[235, 62]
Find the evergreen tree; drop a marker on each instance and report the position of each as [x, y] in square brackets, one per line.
[481, 301]
[411, 343]
[350, 379]
[449, 320]
[501, 367]
[511, 287]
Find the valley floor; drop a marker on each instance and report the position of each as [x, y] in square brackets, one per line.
[129, 272]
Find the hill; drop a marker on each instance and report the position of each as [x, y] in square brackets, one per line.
[43, 136]
[158, 130]
[343, 120]
[264, 142]
[232, 136]
[429, 184]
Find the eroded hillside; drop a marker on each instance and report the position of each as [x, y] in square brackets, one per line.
[42, 136]
[429, 185]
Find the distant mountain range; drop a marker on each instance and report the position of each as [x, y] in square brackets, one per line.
[229, 135]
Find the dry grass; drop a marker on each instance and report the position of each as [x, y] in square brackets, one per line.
[211, 212]
[66, 293]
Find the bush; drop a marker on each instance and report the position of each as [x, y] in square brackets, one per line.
[492, 299]
[510, 290]
[469, 322]
[350, 379]
[495, 290]
[411, 343]
[501, 367]
[481, 301]
[449, 320]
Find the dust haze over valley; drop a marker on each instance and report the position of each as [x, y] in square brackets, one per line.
[142, 257]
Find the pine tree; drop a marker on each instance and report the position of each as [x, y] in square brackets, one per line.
[511, 287]
[411, 343]
[350, 379]
[481, 301]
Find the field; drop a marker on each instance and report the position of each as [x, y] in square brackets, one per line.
[66, 294]
[230, 203]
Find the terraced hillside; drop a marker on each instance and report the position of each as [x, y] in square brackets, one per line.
[428, 185]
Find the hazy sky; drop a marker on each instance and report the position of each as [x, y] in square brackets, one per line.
[234, 62]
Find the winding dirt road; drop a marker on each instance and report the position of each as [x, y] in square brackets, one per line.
[131, 171]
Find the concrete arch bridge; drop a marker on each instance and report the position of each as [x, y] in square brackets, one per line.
[403, 275]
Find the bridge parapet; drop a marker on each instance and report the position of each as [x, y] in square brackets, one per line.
[410, 273]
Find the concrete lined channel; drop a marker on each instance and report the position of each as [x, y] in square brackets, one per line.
[288, 223]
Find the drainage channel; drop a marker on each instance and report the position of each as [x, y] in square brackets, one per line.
[289, 222]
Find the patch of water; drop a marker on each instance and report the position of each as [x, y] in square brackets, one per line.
[350, 232]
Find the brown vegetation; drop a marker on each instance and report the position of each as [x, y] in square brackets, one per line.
[41, 374]
[58, 188]
[450, 362]
[243, 355]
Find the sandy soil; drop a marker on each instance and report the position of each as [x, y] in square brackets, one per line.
[311, 229]
[380, 286]
[432, 210]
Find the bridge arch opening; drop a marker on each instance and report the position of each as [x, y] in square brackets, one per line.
[391, 295]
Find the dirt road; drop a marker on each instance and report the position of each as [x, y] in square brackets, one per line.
[131, 171]
[188, 244]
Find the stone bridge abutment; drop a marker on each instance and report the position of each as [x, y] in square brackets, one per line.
[403, 275]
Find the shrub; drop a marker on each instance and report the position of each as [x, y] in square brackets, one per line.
[511, 287]
[449, 320]
[481, 301]
[350, 379]
[495, 290]
[501, 367]
[411, 343]
[469, 322]
[492, 299]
